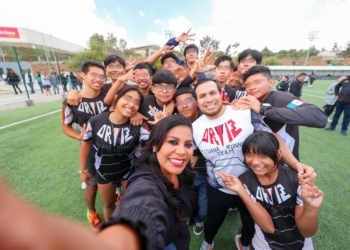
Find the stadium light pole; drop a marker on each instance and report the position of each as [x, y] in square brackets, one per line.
[312, 36]
[21, 72]
[54, 55]
[47, 59]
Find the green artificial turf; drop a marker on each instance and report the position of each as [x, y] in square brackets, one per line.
[42, 163]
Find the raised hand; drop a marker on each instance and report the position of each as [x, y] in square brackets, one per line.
[129, 64]
[184, 37]
[157, 115]
[167, 49]
[129, 76]
[231, 182]
[137, 119]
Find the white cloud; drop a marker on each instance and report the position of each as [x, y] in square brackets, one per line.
[159, 22]
[155, 38]
[76, 23]
[141, 13]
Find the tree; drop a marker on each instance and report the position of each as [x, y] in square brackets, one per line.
[97, 38]
[220, 53]
[228, 49]
[272, 61]
[346, 53]
[181, 48]
[96, 51]
[335, 47]
[207, 41]
[112, 44]
[266, 52]
[122, 44]
[313, 51]
[322, 49]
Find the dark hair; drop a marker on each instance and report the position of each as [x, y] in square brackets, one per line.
[191, 46]
[235, 68]
[125, 89]
[164, 76]
[257, 56]
[112, 58]
[264, 143]
[148, 160]
[86, 66]
[182, 91]
[259, 69]
[204, 80]
[302, 74]
[144, 66]
[169, 55]
[38, 73]
[224, 58]
[287, 77]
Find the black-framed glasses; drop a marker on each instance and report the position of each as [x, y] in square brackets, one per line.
[186, 101]
[167, 88]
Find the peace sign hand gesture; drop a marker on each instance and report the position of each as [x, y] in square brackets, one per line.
[129, 76]
[184, 37]
[129, 64]
[157, 115]
[166, 49]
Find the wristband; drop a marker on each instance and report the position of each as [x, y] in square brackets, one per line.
[80, 172]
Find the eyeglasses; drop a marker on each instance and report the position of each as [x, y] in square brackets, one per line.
[119, 67]
[248, 60]
[161, 88]
[191, 51]
[224, 68]
[101, 77]
[186, 101]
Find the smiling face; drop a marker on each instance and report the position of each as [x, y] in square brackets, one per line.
[128, 104]
[143, 79]
[163, 92]
[114, 70]
[258, 86]
[191, 55]
[176, 151]
[187, 106]
[94, 78]
[209, 99]
[170, 64]
[261, 164]
[235, 79]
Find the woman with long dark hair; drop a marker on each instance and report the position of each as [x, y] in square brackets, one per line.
[13, 79]
[159, 197]
[38, 79]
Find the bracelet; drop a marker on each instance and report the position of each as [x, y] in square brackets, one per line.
[80, 172]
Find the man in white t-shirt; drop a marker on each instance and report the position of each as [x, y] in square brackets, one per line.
[219, 134]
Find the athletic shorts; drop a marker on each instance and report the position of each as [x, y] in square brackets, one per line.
[101, 180]
[47, 86]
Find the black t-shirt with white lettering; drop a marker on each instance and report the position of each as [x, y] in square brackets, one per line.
[279, 199]
[230, 92]
[82, 113]
[115, 144]
[240, 91]
[145, 111]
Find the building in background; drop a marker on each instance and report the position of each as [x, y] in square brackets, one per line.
[147, 50]
[23, 37]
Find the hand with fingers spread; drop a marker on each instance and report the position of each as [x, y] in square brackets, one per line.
[129, 64]
[137, 119]
[231, 182]
[166, 49]
[157, 115]
[184, 37]
[129, 76]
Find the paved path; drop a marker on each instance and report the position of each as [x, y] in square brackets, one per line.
[10, 101]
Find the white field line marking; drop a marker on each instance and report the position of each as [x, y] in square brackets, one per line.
[314, 96]
[30, 119]
[314, 90]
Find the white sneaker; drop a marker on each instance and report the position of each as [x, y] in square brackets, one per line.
[329, 120]
[83, 185]
[118, 191]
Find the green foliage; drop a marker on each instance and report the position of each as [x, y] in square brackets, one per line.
[220, 53]
[158, 65]
[266, 52]
[346, 52]
[207, 41]
[272, 61]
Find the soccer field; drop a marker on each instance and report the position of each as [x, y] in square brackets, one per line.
[41, 163]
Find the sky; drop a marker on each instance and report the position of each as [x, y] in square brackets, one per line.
[277, 24]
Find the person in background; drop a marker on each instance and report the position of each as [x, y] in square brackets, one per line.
[38, 79]
[64, 82]
[79, 81]
[29, 79]
[330, 98]
[284, 84]
[297, 85]
[54, 82]
[342, 105]
[235, 78]
[73, 80]
[306, 81]
[13, 79]
[312, 79]
[45, 79]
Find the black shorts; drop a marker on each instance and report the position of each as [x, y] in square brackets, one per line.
[101, 180]
[91, 166]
